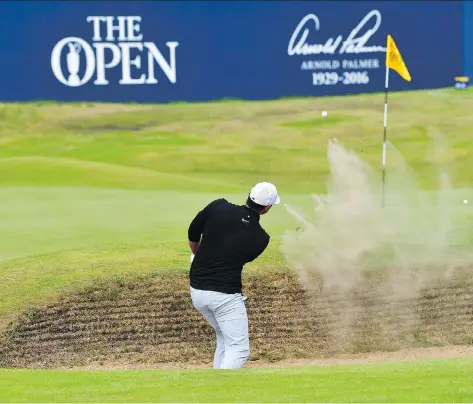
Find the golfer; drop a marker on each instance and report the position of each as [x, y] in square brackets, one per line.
[223, 237]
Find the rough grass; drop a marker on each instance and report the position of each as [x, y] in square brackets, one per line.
[233, 142]
[126, 321]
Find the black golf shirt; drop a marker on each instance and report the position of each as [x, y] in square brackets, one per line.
[231, 237]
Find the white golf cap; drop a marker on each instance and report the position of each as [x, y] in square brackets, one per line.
[264, 194]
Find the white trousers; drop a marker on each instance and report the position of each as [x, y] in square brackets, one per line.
[226, 313]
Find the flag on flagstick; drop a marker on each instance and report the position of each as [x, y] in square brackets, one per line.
[395, 62]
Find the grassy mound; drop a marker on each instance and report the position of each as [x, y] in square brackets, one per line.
[151, 320]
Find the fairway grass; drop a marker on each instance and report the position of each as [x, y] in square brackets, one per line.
[95, 190]
[423, 381]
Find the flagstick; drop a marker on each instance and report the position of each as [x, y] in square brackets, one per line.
[385, 127]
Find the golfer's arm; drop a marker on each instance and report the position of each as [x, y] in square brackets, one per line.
[196, 229]
[194, 245]
[259, 251]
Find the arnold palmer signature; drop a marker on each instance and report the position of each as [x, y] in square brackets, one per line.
[355, 42]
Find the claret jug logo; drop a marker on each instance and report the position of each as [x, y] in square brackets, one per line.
[116, 43]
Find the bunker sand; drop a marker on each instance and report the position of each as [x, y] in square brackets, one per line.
[151, 323]
[404, 355]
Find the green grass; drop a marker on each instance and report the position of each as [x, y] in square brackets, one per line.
[424, 381]
[92, 190]
[77, 234]
[234, 143]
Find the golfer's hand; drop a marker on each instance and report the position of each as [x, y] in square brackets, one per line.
[192, 257]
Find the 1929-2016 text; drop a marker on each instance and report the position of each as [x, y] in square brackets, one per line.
[346, 78]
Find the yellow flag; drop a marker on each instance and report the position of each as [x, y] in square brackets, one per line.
[394, 60]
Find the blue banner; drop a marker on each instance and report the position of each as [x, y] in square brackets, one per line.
[468, 39]
[197, 51]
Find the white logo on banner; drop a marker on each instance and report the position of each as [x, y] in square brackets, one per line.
[118, 41]
[356, 43]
